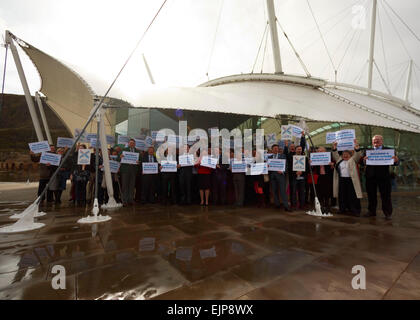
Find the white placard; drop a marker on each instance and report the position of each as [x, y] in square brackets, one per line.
[172, 139]
[209, 162]
[186, 160]
[286, 133]
[238, 166]
[347, 134]
[150, 167]
[123, 140]
[320, 158]
[380, 157]
[258, 168]
[271, 139]
[154, 135]
[299, 163]
[90, 136]
[39, 147]
[110, 140]
[83, 138]
[114, 166]
[149, 141]
[51, 158]
[330, 137]
[168, 166]
[130, 157]
[347, 144]
[140, 144]
[249, 160]
[276, 165]
[65, 142]
[296, 131]
[83, 156]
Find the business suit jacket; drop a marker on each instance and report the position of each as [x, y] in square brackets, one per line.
[129, 168]
[381, 172]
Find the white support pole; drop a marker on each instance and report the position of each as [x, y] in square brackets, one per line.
[43, 117]
[274, 36]
[112, 204]
[25, 87]
[148, 70]
[372, 43]
[408, 83]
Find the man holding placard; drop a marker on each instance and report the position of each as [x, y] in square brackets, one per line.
[277, 168]
[377, 162]
[323, 168]
[149, 176]
[45, 173]
[168, 169]
[128, 169]
[185, 169]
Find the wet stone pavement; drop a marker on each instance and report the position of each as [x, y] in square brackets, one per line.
[193, 252]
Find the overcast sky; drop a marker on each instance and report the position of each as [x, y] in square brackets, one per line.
[96, 36]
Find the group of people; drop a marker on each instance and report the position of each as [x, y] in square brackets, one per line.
[339, 181]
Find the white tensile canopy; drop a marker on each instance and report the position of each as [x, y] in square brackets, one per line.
[265, 95]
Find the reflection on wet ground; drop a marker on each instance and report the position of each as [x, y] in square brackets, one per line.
[192, 252]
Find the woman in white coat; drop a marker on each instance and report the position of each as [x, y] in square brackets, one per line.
[346, 183]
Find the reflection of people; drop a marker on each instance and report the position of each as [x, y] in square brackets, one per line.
[347, 187]
[378, 177]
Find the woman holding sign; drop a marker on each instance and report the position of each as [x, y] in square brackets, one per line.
[346, 184]
[204, 178]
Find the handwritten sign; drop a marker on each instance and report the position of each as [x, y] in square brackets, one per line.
[320, 158]
[51, 158]
[238, 166]
[123, 140]
[380, 157]
[39, 147]
[114, 166]
[330, 137]
[209, 162]
[65, 142]
[276, 165]
[347, 144]
[168, 166]
[130, 157]
[286, 133]
[299, 163]
[83, 156]
[186, 160]
[150, 167]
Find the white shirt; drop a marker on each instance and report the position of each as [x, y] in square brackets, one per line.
[344, 169]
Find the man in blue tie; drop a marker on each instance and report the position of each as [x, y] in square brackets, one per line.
[378, 177]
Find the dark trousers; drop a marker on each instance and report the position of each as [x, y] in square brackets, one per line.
[218, 186]
[298, 186]
[239, 186]
[324, 190]
[41, 186]
[185, 179]
[347, 199]
[137, 196]
[128, 184]
[148, 187]
[384, 185]
[278, 184]
[168, 187]
[80, 191]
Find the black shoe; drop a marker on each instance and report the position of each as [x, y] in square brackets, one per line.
[369, 214]
[288, 209]
[388, 217]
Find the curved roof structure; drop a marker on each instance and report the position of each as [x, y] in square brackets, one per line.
[265, 95]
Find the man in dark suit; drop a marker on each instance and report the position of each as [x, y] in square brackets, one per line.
[185, 175]
[149, 181]
[278, 179]
[128, 175]
[379, 177]
[168, 180]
